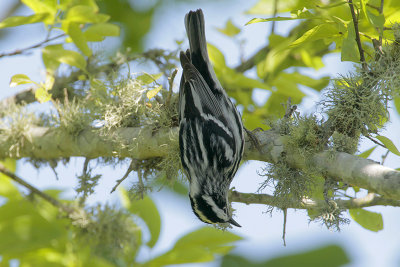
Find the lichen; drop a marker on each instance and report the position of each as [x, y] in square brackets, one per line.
[356, 105]
[109, 232]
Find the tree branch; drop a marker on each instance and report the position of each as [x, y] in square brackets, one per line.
[34, 190]
[52, 143]
[253, 60]
[275, 7]
[23, 50]
[369, 200]
[146, 143]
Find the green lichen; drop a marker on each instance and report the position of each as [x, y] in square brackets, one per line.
[331, 216]
[289, 184]
[72, 117]
[343, 143]
[356, 105]
[15, 123]
[110, 233]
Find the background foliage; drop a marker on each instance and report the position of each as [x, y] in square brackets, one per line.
[88, 87]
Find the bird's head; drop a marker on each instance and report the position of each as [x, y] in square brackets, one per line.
[212, 208]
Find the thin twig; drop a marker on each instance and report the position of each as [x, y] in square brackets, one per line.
[141, 184]
[372, 6]
[381, 32]
[84, 178]
[384, 157]
[284, 226]
[23, 50]
[289, 108]
[376, 142]
[171, 86]
[34, 190]
[358, 40]
[130, 169]
[369, 200]
[275, 12]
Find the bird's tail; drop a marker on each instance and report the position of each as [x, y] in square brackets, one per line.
[194, 23]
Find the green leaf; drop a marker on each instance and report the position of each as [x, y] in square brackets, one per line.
[153, 92]
[74, 31]
[40, 6]
[332, 5]
[349, 45]
[237, 80]
[299, 15]
[147, 211]
[288, 88]
[317, 84]
[266, 7]
[311, 60]
[216, 56]
[7, 188]
[65, 5]
[55, 54]
[207, 237]
[97, 32]
[85, 14]
[321, 31]
[19, 79]
[277, 59]
[396, 101]
[389, 144]
[42, 95]
[23, 229]
[367, 219]
[363, 9]
[146, 78]
[22, 20]
[257, 20]
[376, 20]
[230, 78]
[330, 256]
[367, 152]
[197, 246]
[230, 29]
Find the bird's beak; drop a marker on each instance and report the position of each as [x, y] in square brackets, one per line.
[233, 222]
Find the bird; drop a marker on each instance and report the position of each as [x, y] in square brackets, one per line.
[211, 132]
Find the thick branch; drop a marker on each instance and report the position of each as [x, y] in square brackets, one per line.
[51, 143]
[146, 143]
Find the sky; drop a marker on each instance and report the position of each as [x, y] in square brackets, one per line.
[262, 232]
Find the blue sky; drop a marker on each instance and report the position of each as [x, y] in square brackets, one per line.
[262, 232]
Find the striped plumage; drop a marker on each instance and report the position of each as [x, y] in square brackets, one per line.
[211, 136]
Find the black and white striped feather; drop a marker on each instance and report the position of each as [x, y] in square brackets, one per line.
[210, 129]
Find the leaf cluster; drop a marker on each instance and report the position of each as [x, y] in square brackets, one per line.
[35, 233]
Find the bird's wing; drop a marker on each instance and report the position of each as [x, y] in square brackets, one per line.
[197, 95]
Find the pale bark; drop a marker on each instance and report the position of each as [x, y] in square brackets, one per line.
[146, 143]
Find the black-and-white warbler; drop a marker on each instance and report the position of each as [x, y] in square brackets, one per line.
[211, 135]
